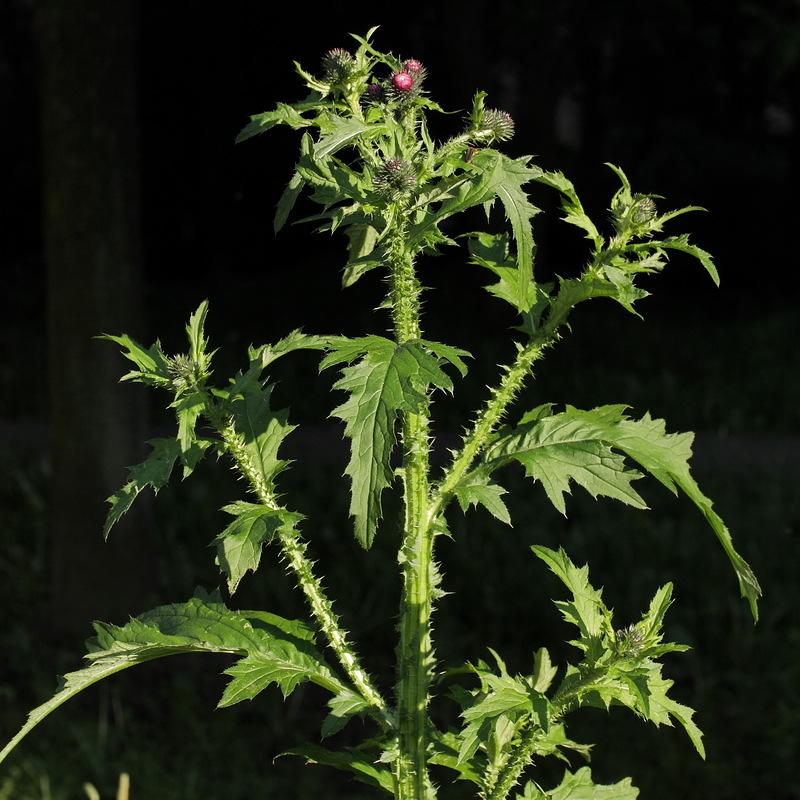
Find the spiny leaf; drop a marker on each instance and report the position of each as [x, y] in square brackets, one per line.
[519, 212]
[344, 706]
[476, 489]
[240, 545]
[364, 768]
[203, 624]
[587, 610]
[571, 204]
[284, 114]
[580, 786]
[154, 472]
[341, 132]
[152, 363]
[682, 243]
[561, 448]
[387, 380]
[263, 431]
[665, 456]
[527, 297]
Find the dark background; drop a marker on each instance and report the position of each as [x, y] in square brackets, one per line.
[126, 203]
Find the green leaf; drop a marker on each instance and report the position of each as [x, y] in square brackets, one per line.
[344, 706]
[477, 489]
[284, 114]
[152, 363]
[571, 205]
[287, 201]
[491, 251]
[682, 243]
[240, 545]
[544, 672]
[580, 436]
[364, 768]
[519, 212]
[580, 786]
[263, 431]
[561, 448]
[341, 132]
[586, 610]
[387, 380]
[154, 472]
[363, 238]
[203, 624]
[188, 409]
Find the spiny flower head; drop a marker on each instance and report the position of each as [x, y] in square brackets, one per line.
[414, 68]
[644, 209]
[186, 373]
[403, 81]
[499, 124]
[395, 179]
[337, 64]
[375, 93]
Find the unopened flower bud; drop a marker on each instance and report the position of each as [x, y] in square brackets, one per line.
[395, 178]
[337, 65]
[403, 81]
[412, 66]
[644, 210]
[499, 123]
[375, 93]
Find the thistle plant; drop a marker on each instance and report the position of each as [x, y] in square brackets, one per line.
[369, 160]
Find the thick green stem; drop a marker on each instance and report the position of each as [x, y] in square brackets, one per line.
[294, 549]
[415, 649]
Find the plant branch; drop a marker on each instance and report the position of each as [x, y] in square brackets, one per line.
[294, 549]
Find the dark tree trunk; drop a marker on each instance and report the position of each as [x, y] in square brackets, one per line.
[92, 245]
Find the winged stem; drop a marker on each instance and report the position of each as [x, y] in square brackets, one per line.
[415, 649]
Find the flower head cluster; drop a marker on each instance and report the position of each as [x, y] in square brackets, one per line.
[395, 179]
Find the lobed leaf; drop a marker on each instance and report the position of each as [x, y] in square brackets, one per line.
[364, 768]
[263, 431]
[586, 610]
[576, 445]
[387, 380]
[240, 545]
[153, 472]
[203, 624]
[562, 448]
[580, 786]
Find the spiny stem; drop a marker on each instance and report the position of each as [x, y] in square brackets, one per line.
[519, 760]
[415, 648]
[486, 424]
[494, 411]
[294, 549]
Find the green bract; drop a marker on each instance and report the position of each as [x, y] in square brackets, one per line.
[369, 161]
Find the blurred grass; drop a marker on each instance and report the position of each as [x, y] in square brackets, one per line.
[157, 722]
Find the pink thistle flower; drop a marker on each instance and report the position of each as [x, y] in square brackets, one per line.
[412, 66]
[403, 81]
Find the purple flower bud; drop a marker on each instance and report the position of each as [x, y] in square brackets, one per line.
[375, 92]
[403, 81]
[412, 66]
